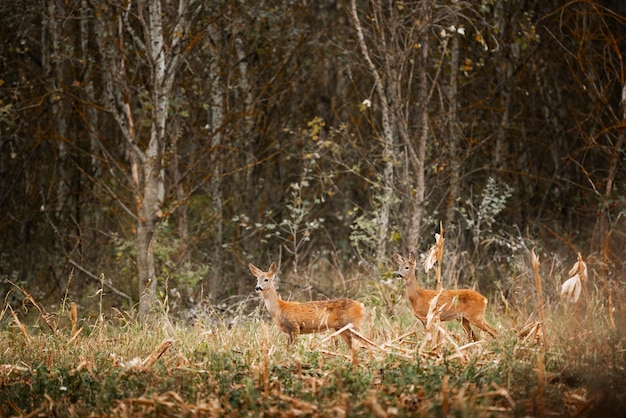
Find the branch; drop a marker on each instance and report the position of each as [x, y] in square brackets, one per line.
[129, 28]
[366, 55]
[96, 278]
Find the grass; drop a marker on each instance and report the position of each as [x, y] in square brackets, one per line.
[115, 367]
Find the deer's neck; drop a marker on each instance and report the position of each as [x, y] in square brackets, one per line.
[272, 301]
[412, 289]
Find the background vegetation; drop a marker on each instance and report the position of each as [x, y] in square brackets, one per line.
[149, 150]
[258, 131]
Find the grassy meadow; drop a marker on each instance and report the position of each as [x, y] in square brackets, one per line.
[570, 363]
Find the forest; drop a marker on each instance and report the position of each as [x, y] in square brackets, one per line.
[179, 140]
[151, 149]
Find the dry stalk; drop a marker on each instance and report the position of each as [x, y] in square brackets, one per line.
[372, 404]
[75, 336]
[264, 368]
[67, 290]
[298, 404]
[156, 354]
[432, 321]
[445, 402]
[10, 368]
[84, 364]
[542, 318]
[333, 354]
[541, 384]
[531, 333]
[20, 325]
[22, 413]
[350, 328]
[339, 331]
[435, 254]
[6, 306]
[74, 320]
[499, 391]
[572, 288]
[48, 318]
[458, 351]
[168, 403]
[611, 313]
[439, 244]
[400, 338]
[73, 317]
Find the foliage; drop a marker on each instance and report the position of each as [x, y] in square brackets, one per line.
[480, 219]
[365, 226]
[298, 224]
[167, 255]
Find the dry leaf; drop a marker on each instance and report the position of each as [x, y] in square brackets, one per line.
[572, 288]
[431, 258]
[434, 253]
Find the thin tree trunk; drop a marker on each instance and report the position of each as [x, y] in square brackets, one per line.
[153, 171]
[423, 129]
[503, 73]
[387, 142]
[454, 190]
[146, 165]
[216, 122]
[248, 118]
[92, 115]
[53, 65]
[602, 230]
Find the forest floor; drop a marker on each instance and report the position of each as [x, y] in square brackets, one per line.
[65, 365]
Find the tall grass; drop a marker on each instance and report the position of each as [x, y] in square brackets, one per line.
[221, 367]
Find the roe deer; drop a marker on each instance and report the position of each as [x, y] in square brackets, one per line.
[466, 305]
[305, 318]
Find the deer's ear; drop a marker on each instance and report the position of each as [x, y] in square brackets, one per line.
[273, 268]
[254, 270]
[412, 257]
[397, 258]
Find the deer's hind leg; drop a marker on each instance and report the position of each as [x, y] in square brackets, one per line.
[468, 329]
[352, 345]
[482, 324]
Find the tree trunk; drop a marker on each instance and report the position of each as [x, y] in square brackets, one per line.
[216, 122]
[503, 73]
[146, 165]
[248, 119]
[53, 66]
[387, 142]
[423, 130]
[454, 190]
[146, 272]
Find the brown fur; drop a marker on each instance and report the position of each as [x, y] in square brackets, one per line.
[305, 318]
[466, 305]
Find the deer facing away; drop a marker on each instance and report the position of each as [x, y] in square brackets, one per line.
[466, 305]
[310, 317]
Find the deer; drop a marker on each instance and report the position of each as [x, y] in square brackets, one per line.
[296, 318]
[465, 305]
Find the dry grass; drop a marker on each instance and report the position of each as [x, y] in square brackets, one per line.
[571, 362]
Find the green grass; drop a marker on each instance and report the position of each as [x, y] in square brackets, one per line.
[246, 369]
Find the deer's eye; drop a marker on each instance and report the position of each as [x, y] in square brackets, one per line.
[267, 280]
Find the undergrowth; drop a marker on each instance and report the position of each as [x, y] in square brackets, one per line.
[247, 369]
[571, 364]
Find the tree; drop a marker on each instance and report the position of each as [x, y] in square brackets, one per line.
[160, 51]
[401, 50]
